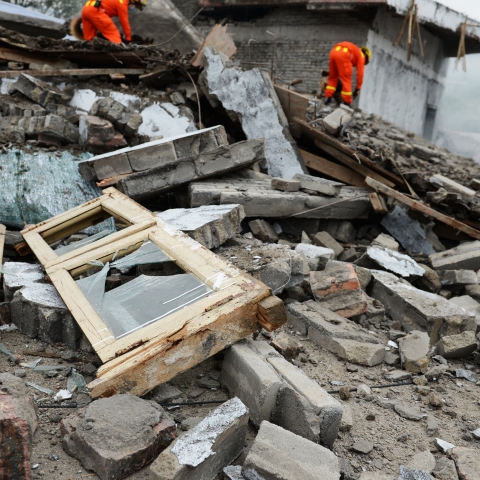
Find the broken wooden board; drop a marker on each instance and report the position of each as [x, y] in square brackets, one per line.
[378, 204]
[159, 348]
[26, 57]
[338, 172]
[294, 105]
[3, 231]
[219, 39]
[324, 139]
[73, 72]
[420, 207]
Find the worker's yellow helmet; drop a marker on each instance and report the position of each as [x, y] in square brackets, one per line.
[140, 4]
[368, 54]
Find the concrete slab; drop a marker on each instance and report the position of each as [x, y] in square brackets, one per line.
[465, 256]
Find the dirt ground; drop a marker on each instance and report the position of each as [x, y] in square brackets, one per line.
[395, 439]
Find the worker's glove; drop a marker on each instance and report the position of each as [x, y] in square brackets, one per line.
[356, 93]
[328, 100]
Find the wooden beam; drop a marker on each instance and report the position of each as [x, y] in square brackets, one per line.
[378, 203]
[294, 105]
[77, 72]
[220, 40]
[27, 57]
[420, 207]
[271, 313]
[333, 170]
[353, 164]
[316, 134]
[3, 231]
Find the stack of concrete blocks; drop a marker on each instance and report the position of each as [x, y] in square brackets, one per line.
[261, 200]
[275, 390]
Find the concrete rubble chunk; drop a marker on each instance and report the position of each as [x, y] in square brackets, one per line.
[465, 256]
[203, 451]
[423, 461]
[445, 469]
[263, 230]
[469, 304]
[391, 261]
[386, 241]
[324, 239]
[260, 200]
[278, 266]
[335, 333]
[467, 194]
[18, 423]
[249, 377]
[38, 91]
[233, 472]
[250, 96]
[174, 174]
[165, 393]
[98, 135]
[117, 436]
[407, 231]
[285, 184]
[466, 460]
[278, 454]
[38, 311]
[458, 277]
[303, 407]
[152, 154]
[419, 310]
[341, 230]
[338, 289]
[319, 185]
[457, 346]
[408, 412]
[211, 225]
[414, 349]
[19, 274]
[338, 119]
[317, 256]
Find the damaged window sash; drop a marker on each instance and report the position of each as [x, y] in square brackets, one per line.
[213, 304]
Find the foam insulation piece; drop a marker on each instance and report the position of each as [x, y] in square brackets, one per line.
[38, 186]
[247, 95]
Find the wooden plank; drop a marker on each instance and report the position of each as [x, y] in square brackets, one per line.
[73, 72]
[102, 242]
[40, 247]
[110, 181]
[271, 313]
[333, 170]
[220, 40]
[85, 315]
[130, 211]
[316, 134]
[419, 207]
[3, 231]
[378, 203]
[27, 57]
[199, 339]
[353, 164]
[294, 105]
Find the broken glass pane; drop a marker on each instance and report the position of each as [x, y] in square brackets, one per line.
[86, 241]
[147, 253]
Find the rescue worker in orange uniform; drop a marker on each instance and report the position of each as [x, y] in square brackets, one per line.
[343, 57]
[97, 17]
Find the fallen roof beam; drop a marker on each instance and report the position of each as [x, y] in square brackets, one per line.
[419, 207]
[73, 72]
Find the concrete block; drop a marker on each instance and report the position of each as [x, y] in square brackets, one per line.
[338, 289]
[278, 454]
[163, 179]
[152, 156]
[458, 277]
[285, 185]
[324, 239]
[465, 256]
[260, 200]
[38, 91]
[341, 230]
[18, 423]
[203, 451]
[386, 241]
[457, 346]
[249, 377]
[210, 225]
[165, 393]
[414, 349]
[470, 305]
[336, 334]
[391, 261]
[407, 231]
[317, 256]
[250, 96]
[467, 194]
[429, 281]
[319, 185]
[263, 231]
[340, 117]
[419, 310]
[38, 311]
[304, 407]
[16, 275]
[117, 436]
[374, 315]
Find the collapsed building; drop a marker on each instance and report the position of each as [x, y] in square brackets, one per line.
[209, 275]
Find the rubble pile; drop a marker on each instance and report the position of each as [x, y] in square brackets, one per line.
[253, 295]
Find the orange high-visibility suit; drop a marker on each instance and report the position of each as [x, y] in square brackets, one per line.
[99, 19]
[343, 57]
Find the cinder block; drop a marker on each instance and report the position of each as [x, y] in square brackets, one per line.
[324, 239]
[285, 185]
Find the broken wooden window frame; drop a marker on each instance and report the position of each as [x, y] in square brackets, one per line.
[151, 355]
